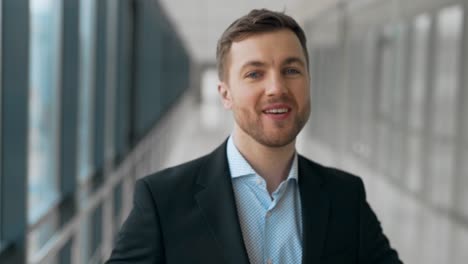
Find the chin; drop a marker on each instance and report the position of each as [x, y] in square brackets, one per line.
[276, 141]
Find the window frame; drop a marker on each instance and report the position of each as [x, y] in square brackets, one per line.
[15, 54]
[1, 159]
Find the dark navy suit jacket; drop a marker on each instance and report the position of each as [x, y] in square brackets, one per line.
[187, 214]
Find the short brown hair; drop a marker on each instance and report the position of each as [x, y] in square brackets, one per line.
[256, 21]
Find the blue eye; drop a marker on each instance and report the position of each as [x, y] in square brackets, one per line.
[253, 75]
[290, 71]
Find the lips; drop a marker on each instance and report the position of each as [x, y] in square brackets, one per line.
[277, 112]
[277, 109]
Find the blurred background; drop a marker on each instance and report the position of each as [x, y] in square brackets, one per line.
[97, 93]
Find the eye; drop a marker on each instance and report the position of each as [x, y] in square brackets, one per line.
[253, 75]
[291, 71]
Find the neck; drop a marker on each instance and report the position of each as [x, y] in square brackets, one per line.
[271, 163]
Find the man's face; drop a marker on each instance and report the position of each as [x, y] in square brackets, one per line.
[267, 87]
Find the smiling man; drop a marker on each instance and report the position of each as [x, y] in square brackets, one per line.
[255, 199]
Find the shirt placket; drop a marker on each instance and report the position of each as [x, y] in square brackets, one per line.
[269, 245]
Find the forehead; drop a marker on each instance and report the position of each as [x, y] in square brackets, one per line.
[268, 47]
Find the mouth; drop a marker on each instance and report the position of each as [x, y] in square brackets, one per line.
[277, 112]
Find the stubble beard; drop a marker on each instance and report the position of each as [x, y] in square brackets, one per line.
[254, 127]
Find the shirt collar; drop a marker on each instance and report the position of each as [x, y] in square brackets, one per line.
[239, 166]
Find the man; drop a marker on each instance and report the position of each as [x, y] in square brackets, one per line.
[254, 199]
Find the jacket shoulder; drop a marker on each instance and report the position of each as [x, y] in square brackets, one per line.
[181, 174]
[332, 176]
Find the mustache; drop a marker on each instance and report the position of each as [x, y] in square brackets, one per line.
[282, 99]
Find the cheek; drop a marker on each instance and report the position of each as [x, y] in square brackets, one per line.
[245, 97]
[303, 93]
[307, 94]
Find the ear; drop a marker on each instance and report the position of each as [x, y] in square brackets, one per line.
[225, 94]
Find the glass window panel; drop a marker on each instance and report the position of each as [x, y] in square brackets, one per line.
[463, 192]
[85, 119]
[360, 65]
[314, 85]
[355, 69]
[421, 31]
[387, 82]
[331, 96]
[463, 170]
[444, 114]
[465, 128]
[391, 54]
[43, 106]
[367, 131]
[397, 101]
[449, 29]
[387, 73]
[316, 92]
[420, 38]
[320, 95]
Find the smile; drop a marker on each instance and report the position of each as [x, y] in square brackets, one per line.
[276, 111]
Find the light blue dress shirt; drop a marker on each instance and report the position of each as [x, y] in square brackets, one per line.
[271, 225]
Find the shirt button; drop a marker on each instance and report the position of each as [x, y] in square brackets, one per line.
[269, 261]
[268, 214]
[259, 181]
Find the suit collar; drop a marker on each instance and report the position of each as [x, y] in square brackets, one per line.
[217, 202]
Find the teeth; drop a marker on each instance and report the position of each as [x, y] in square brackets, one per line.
[277, 111]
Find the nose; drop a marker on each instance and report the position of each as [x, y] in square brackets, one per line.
[276, 85]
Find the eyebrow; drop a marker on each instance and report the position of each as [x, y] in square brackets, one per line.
[252, 63]
[292, 60]
[287, 61]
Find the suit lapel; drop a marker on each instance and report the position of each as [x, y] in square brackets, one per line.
[315, 210]
[217, 203]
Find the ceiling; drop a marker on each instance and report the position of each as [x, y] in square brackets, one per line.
[201, 22]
